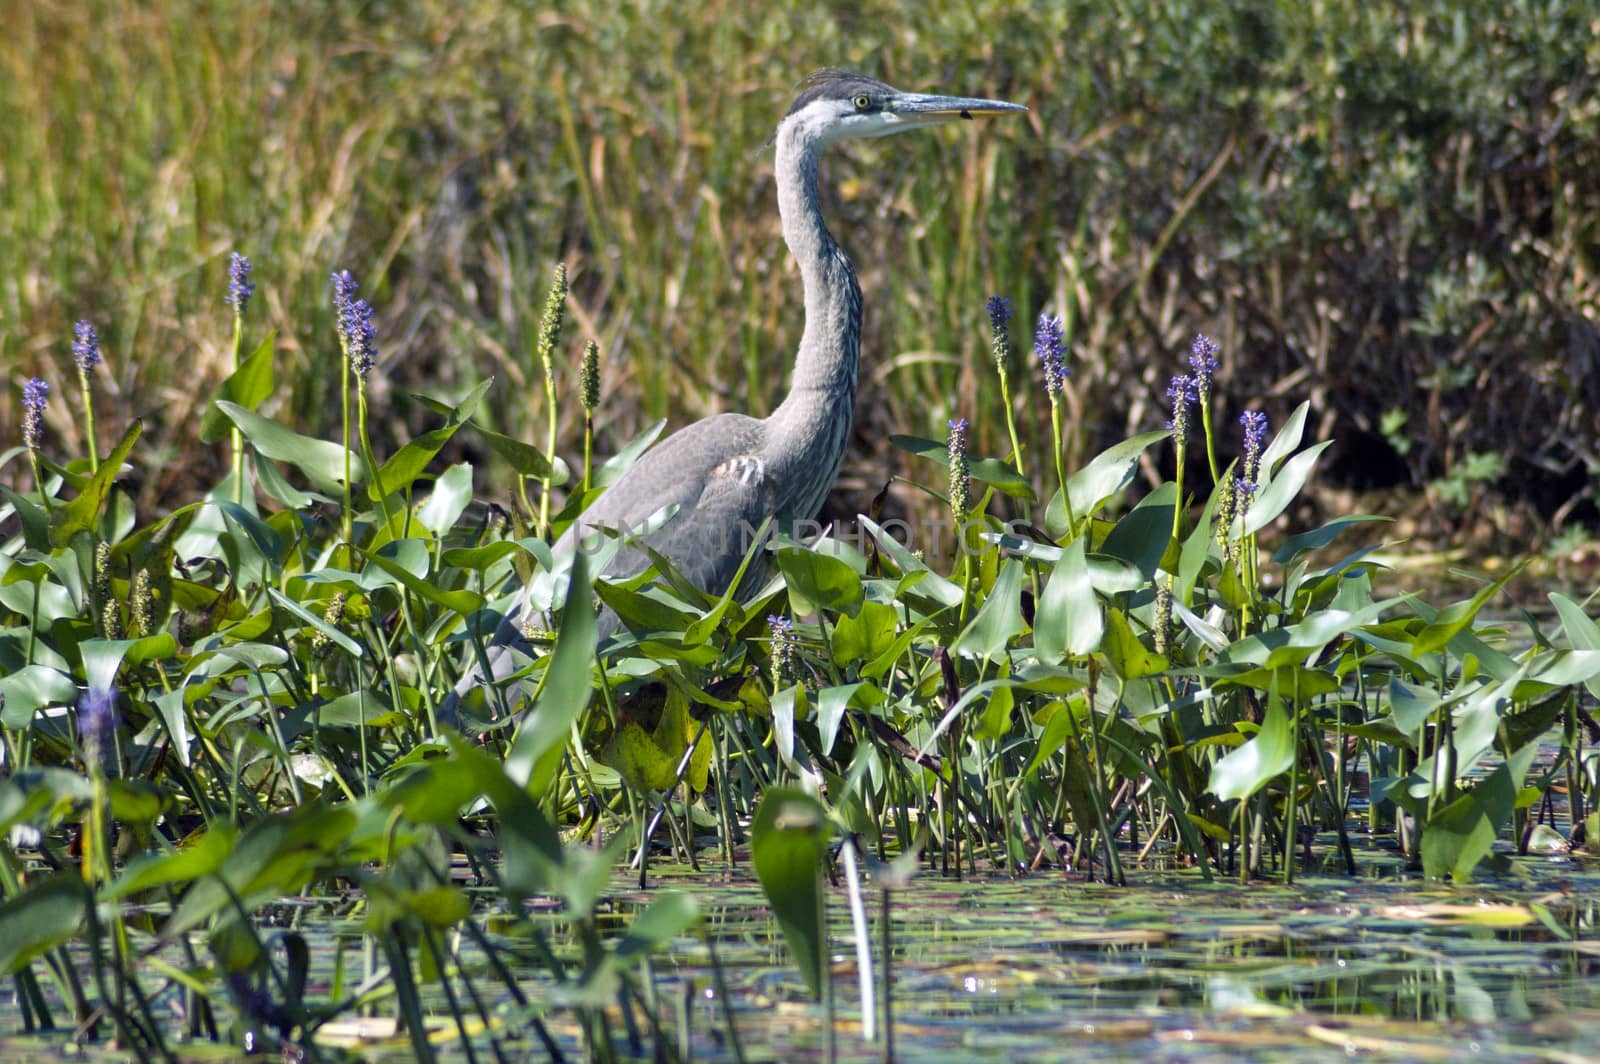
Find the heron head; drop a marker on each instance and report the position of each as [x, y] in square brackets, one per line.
[839, 105]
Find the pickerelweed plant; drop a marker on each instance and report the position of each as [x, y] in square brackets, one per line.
[1172, 674]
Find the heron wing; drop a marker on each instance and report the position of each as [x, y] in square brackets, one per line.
[712, 471]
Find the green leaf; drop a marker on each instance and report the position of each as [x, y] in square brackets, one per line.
[339, 639]
[999, 619]
[1411, 705]
[788, 842]
[406, 464]
[249, 384]
[479, 559]
[35, 522]
[832, 703]
[1003, 478]
[1248, 768]
[1275, 495]
[536, 751]
[451, 493]
[995, 720]
[865, 636]
[1318, 538]
[199, 856]
[82, 514]
[1582, 632]
[819, 582]
[1458, 616]
[1109, 472]
[1459, 836]
[1141, 537]
[1126, 654]
[930, 585]
[41, 918]
[28, 690]
[275, 487]
[1285, 440]
[667, 917]
[634, 753]
[461, 600]
[319, 460]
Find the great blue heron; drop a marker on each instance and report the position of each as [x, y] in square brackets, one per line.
[730, 473]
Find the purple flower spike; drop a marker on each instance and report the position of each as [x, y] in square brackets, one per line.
[1203, 355]
[97, 719]
[1050, 347]
[1254, 423]
[1182, 393]
[34, 393]
[239, 287]
[85, 346]
[355, 323]
[999, 309]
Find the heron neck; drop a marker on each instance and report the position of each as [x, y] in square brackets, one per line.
[831, 344]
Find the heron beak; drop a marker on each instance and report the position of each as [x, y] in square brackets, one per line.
[917, 109]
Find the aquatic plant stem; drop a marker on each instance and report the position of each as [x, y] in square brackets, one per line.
[235, 434]
[1059, 448]
[346, 521]
[88, 420]
[863, 937]
[887, 917]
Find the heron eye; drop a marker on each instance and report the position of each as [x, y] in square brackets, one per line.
[863, 102]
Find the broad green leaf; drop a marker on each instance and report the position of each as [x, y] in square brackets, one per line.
[867, 635]
[1248, 768]
[1124, 652]
[832, 703]
[1411, 705]
[536, 751]
[995, 720]
[275, 487]
[1141, 537]
[819, 582]
[320, 460]
[668, 917]
[930, 584]
[997, 474]
[1458, 616]
[641, 761]
[1067, 619]
[999, 619]
[1582, 632]
[1459, 836]
[1318, 538]
[35, 522]
[1109, 472]
[42, 917]
[787, 846]
[1274, 497]
[406, 464]
[31, 688]
[461, 600]
[249, 384]
[1285, 440]
[481, 558]
[339, 639]
[82, 514]
[451, 493]
[199, 856]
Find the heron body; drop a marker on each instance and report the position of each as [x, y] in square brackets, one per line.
[721, 477]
